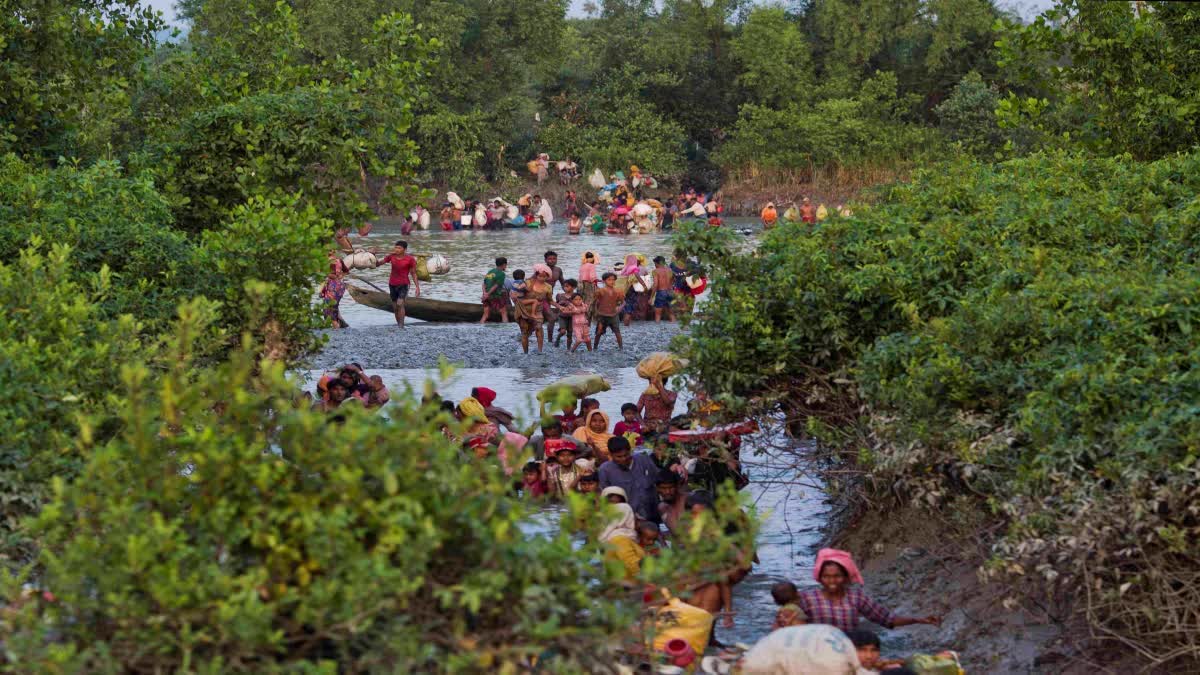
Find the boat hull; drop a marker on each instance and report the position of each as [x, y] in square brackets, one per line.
[425, 309]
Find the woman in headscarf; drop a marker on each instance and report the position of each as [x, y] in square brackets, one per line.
[633, 297]
[331, 293]
[528, 311]
[837, 603]
[620, 541]
[472, 413]
[769, 215]
[496, 415]
[594, 434]
[483, 437]
[588, 278]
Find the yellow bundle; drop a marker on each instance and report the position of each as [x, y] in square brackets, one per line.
[661, 364]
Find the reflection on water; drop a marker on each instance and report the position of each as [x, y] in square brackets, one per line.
[792, 515]
[473, 252]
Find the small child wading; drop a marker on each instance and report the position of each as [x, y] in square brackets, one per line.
[580, 326]
[563, 303]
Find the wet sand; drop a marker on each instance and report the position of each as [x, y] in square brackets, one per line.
[422, 345]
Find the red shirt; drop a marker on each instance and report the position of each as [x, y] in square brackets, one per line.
[660, 406]
[569, 422]
[402, 267]
[624, 427]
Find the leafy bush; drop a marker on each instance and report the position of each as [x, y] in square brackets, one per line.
[228, 528]
[263, 263]
[1020, 333]
[868, 127]
[60, 358]
[968, 116]
[107, 219]
[67, 68]
[451, 145]
[124, 225]
[1111, 77]
[776, 58]
[246, 113]
[612, 128]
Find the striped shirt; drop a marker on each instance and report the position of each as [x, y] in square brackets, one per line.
[846, 612]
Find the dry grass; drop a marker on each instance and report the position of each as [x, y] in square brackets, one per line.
[747, 189]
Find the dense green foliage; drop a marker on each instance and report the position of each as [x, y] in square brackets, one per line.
[203, 518]
[829, 132]
[1014, 337]
[108, 219]
[67, 72]
[190, 542]
[58, 356]
[1022, 334]
[660, 85]
[585, 133]
[254, 110]
[1115, 77]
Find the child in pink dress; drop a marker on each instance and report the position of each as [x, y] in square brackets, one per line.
[580, 325]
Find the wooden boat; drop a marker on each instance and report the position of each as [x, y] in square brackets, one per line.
[425, 309]
[441, 311]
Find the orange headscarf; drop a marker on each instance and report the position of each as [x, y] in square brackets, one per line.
[598, 440]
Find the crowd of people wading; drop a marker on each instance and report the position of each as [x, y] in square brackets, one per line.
[657, 471]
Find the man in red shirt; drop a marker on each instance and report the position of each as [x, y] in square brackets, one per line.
[404, 266]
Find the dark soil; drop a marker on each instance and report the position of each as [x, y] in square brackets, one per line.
[917, 566]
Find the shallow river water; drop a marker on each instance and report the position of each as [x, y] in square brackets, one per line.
[790, 505]
[472, 252]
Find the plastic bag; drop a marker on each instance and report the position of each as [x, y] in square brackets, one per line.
[361, 260]
[579, 386]
[437, 264]
[455, 200]
[533, 166]
[422, 269]
[822, 212]
[815, 649]
[942, 663]
[596, 180]
[689, 623]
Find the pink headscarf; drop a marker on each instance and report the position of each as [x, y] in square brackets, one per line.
[833, 555]
[541, 268]
[631, 266]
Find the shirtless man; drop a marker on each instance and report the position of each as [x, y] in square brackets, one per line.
[808, 213]
[556, 273]
[671, 498]
[608, 306]
[711, 596]
[664, 284]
